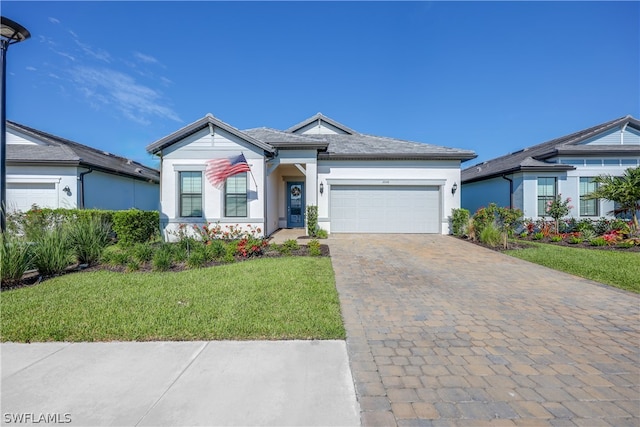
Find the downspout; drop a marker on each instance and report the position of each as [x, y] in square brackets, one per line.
[510, 191]
[264, 194]
[81, 179]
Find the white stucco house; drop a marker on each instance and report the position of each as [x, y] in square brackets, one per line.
[360, 183]
[53, 172]
[564, 166]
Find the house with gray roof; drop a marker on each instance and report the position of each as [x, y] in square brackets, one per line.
[53, 172]
[527, 179]
[360, 183]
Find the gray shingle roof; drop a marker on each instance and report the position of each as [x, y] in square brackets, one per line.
[280, 139]
[63, 151]
[362, 146]
[351, 145]
[533, 157]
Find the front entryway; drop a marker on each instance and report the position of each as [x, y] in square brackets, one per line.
[295, 204]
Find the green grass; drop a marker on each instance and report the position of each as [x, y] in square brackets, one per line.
[277, 298]
[619, 269]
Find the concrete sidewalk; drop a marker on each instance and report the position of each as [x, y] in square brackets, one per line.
[280, 383]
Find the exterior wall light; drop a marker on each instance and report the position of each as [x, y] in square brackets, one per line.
[321, 188]
[454, 188]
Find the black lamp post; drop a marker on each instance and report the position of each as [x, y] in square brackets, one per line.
[10, 32]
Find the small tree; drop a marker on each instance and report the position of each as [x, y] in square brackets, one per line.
[558, 208]
[623, 190]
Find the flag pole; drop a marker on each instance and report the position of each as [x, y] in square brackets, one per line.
[251, 172]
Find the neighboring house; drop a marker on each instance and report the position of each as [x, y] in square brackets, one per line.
[53, 172]
[566, 166]
[360, 183]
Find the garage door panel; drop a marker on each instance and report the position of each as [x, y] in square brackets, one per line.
[385, 209]
[21, 196]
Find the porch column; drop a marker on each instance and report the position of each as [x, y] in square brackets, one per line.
[311, 184]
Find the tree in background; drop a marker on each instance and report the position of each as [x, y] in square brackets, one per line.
[623, 190]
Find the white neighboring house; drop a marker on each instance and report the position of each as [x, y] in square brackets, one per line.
[566, 166]
[53, 172]
[360, 183]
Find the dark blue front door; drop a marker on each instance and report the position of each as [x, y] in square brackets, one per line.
[295, 204]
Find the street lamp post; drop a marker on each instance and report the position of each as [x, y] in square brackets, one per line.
[10, 32]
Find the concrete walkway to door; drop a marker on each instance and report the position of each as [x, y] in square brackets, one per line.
[444, 332]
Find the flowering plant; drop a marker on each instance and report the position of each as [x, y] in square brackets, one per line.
[557, 208]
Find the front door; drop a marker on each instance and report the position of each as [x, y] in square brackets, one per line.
[295, 204]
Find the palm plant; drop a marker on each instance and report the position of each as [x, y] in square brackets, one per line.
[623, 190]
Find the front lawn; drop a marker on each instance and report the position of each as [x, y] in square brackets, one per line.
[615, 268]
[277, 298]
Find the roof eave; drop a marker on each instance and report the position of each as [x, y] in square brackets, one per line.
[395, 156]
[550, 168]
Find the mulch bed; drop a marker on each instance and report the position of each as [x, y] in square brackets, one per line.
[523, 244]
[33, 278]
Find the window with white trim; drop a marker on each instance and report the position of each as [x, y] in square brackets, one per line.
[546, 193]
[190, 194]
[588, 207]
[235, 196]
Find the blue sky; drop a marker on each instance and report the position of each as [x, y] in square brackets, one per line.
[493, 77]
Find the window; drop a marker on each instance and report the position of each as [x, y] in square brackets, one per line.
[546, 193]
[190, 194]
[588, 207]
[235, 196]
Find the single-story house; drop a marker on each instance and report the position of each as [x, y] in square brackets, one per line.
[527, 179]
[53, 172]
[360, 183]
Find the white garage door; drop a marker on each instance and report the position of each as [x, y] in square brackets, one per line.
[22, 195]
[385, 209]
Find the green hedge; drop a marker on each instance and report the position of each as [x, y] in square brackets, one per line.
[130, 226]
[136, 226]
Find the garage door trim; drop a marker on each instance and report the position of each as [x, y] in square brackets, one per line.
[425, 184]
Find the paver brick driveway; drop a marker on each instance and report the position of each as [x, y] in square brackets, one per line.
[443, 332]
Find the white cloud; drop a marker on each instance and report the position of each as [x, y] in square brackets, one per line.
[30, 68]
[107, 87]
[54, 20]
[147, 59]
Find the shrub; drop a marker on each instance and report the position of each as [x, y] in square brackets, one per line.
[15, 257]
[490, 235]
[598, 241]
[88, 236]
[250, 247]
[538, 236]
[115, 255]
[215, 250]
[230, 253]
[314, 248]
[197, 258]
[133, 265]
[459, 221]
[587, 235]
[556, 238]
[322, 234]
[142, 252]
[135, 226]
[574, 240]
[584, 224]
[51, 251]
[312, 220]
[626, 244]
[162, 259]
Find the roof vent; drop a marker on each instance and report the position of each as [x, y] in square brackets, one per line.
[138, 170]
[479, 168]
[106, 153]
[129, 161]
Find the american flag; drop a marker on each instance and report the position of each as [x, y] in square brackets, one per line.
[218, 170]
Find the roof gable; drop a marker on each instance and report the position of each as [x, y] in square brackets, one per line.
[577, 143]
[207, 121]
[320, 124]
[53, 149]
